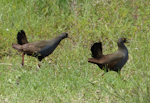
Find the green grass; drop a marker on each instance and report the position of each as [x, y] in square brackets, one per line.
[65, 75]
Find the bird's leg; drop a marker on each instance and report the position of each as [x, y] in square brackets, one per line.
[105, 70]
[103, 74]
[22, 59]
[119, 72]
[39, 64]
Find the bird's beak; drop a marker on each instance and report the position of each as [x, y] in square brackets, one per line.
[69, 38]
[127, 42]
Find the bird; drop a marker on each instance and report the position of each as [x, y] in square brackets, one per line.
[114, 61]
[38, 49]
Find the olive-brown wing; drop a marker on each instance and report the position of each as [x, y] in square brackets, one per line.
[111, 60]
[30, 48]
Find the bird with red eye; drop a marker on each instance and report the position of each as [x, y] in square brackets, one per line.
[38, 49]
[112, 62]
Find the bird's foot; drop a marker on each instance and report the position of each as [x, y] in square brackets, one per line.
[22, 64]
[38, 66]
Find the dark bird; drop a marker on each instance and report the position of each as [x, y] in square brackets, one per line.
[38, 49]
[112, 62]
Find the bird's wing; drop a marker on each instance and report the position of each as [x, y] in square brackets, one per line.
[35, 48]
[30, 48]
[110, 59]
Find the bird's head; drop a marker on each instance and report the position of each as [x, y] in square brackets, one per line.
[122, 40]
[63, 35]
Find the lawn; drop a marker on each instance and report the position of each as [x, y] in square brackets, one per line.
[65, 75]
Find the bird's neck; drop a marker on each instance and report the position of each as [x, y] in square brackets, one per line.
[55, 41]
[121, 47]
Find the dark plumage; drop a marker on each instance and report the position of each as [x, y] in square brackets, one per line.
[39, 49]
[21, 38]
[114, 61]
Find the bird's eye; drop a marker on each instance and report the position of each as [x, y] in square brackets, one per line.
[66, 34]
[124, 39]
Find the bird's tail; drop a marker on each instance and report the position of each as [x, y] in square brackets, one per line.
[96, 50]
[21, 37]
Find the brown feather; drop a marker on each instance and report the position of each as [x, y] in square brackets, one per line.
[38, 49]
[114, 61]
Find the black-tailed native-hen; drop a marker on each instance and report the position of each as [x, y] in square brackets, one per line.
[112, 62]
[38, 49]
